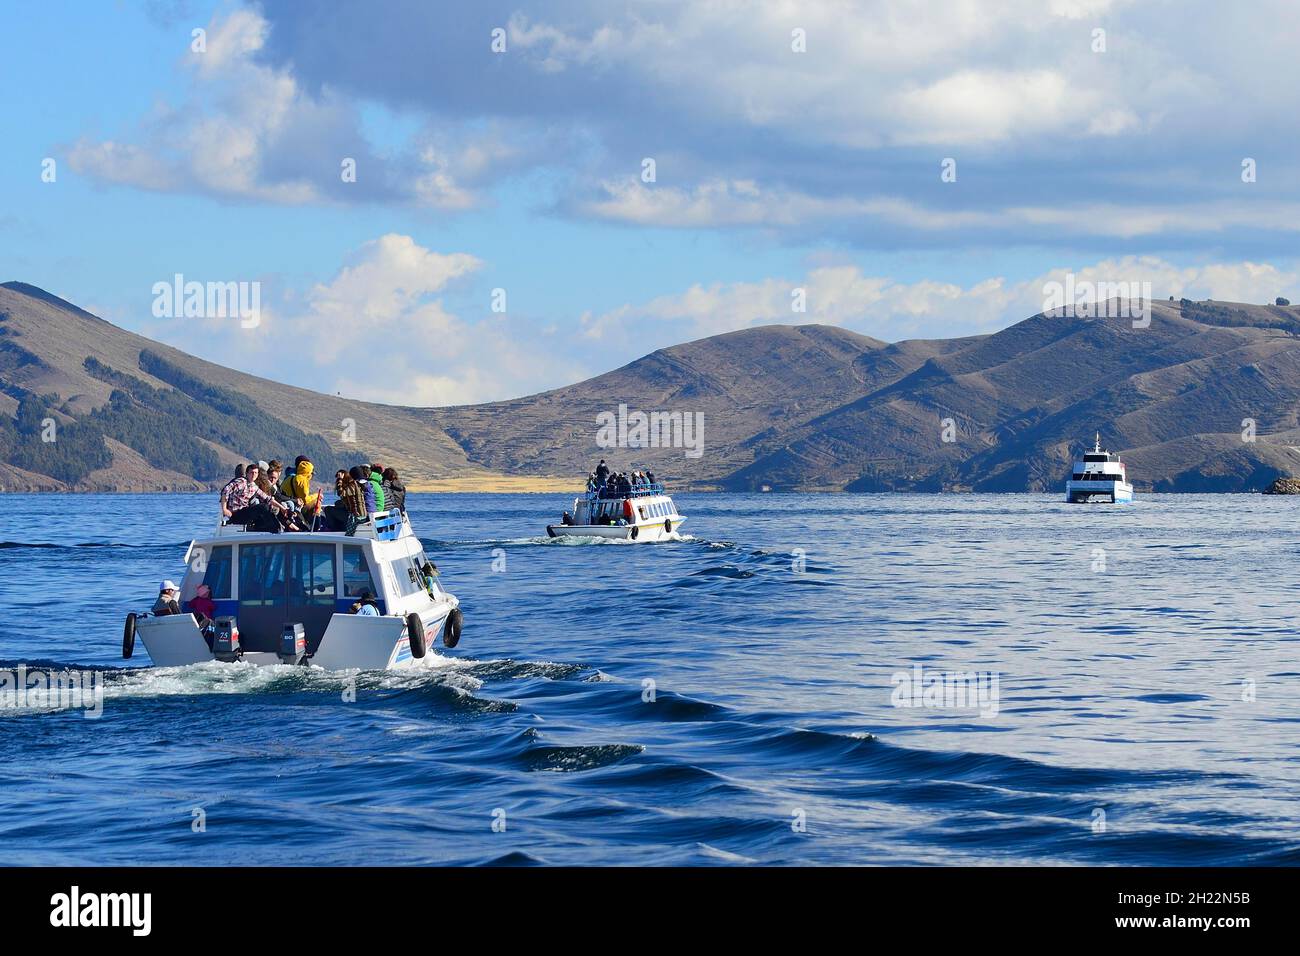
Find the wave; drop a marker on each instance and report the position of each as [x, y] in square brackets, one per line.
[435, 544]
[54, 546]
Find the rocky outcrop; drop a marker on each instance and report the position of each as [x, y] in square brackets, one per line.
[1284, 486]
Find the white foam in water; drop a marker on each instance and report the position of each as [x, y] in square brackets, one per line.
[214, 677]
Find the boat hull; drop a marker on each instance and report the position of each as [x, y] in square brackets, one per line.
[351, 641]
[1116, 492]
[646, 531]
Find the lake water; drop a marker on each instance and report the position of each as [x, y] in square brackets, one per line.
[1145, 660]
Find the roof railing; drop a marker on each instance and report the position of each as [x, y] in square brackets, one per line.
[382, 526]
[638, 491]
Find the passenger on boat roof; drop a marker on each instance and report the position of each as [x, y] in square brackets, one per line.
[361, 475]
[268, 482]
[298, 488]
[366, 605]
[350, 508]
[167, 602]
[602, 473]
[394, 491]
[243, 502]
[377, 479]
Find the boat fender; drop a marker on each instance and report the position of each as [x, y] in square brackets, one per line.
[668, 526]
[415, 633]
[635, 532]
[128, 637]
[451, 629]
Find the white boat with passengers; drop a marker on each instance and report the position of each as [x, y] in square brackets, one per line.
[1099, 476]
[643, 513]
[289, 598]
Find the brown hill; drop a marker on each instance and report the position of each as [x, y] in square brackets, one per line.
[791, 407]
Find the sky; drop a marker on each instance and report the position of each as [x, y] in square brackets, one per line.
[446, 203]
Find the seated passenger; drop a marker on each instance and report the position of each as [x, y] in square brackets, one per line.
[350, 509]
[297, 486]
[366, 605]
[361, 475]
[242, 502]
[167, 602]
[394, 491]
[202, 606]
[376, 475]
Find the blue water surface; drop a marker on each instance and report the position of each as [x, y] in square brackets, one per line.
[724, 698]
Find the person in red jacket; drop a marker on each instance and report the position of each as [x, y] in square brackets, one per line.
[204, 608]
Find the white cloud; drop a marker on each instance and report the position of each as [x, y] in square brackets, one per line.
[883, 308]
[731, 203]
[251, 131]
[380, 330]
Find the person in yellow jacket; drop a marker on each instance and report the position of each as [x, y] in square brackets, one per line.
[298, 486]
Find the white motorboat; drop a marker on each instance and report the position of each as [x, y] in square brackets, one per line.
[1100, 476]
[289, 598]
[645, 513]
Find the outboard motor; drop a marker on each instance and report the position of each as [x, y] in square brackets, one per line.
[225, 645]
[293, 644]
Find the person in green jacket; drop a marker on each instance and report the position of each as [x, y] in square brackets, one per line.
[377, 482]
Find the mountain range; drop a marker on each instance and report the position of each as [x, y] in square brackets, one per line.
[1203, 399]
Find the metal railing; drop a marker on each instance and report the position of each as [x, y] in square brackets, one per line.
[637, 491]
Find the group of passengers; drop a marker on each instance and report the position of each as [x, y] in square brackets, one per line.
[604, 483]
[261, 497]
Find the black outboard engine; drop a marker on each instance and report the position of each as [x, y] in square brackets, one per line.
[225, 645]
[293, 644]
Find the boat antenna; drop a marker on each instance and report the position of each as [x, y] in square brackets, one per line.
[1097, 446]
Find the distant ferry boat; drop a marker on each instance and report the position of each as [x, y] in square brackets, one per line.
[645, 513]
[1099, 475]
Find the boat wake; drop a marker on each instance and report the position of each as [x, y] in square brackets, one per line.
[562, 541]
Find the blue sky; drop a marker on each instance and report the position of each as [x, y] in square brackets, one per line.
[776, 169]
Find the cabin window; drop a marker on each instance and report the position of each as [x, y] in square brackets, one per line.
[261, 574]
[217, 573]
[409, 579]
[311, 574]
[356, 572]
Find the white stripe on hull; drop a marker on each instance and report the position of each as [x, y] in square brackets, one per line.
[645, 532]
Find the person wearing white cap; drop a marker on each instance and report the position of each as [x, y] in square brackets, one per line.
[168, 599]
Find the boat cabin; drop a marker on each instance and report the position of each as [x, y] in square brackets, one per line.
[266, 581]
